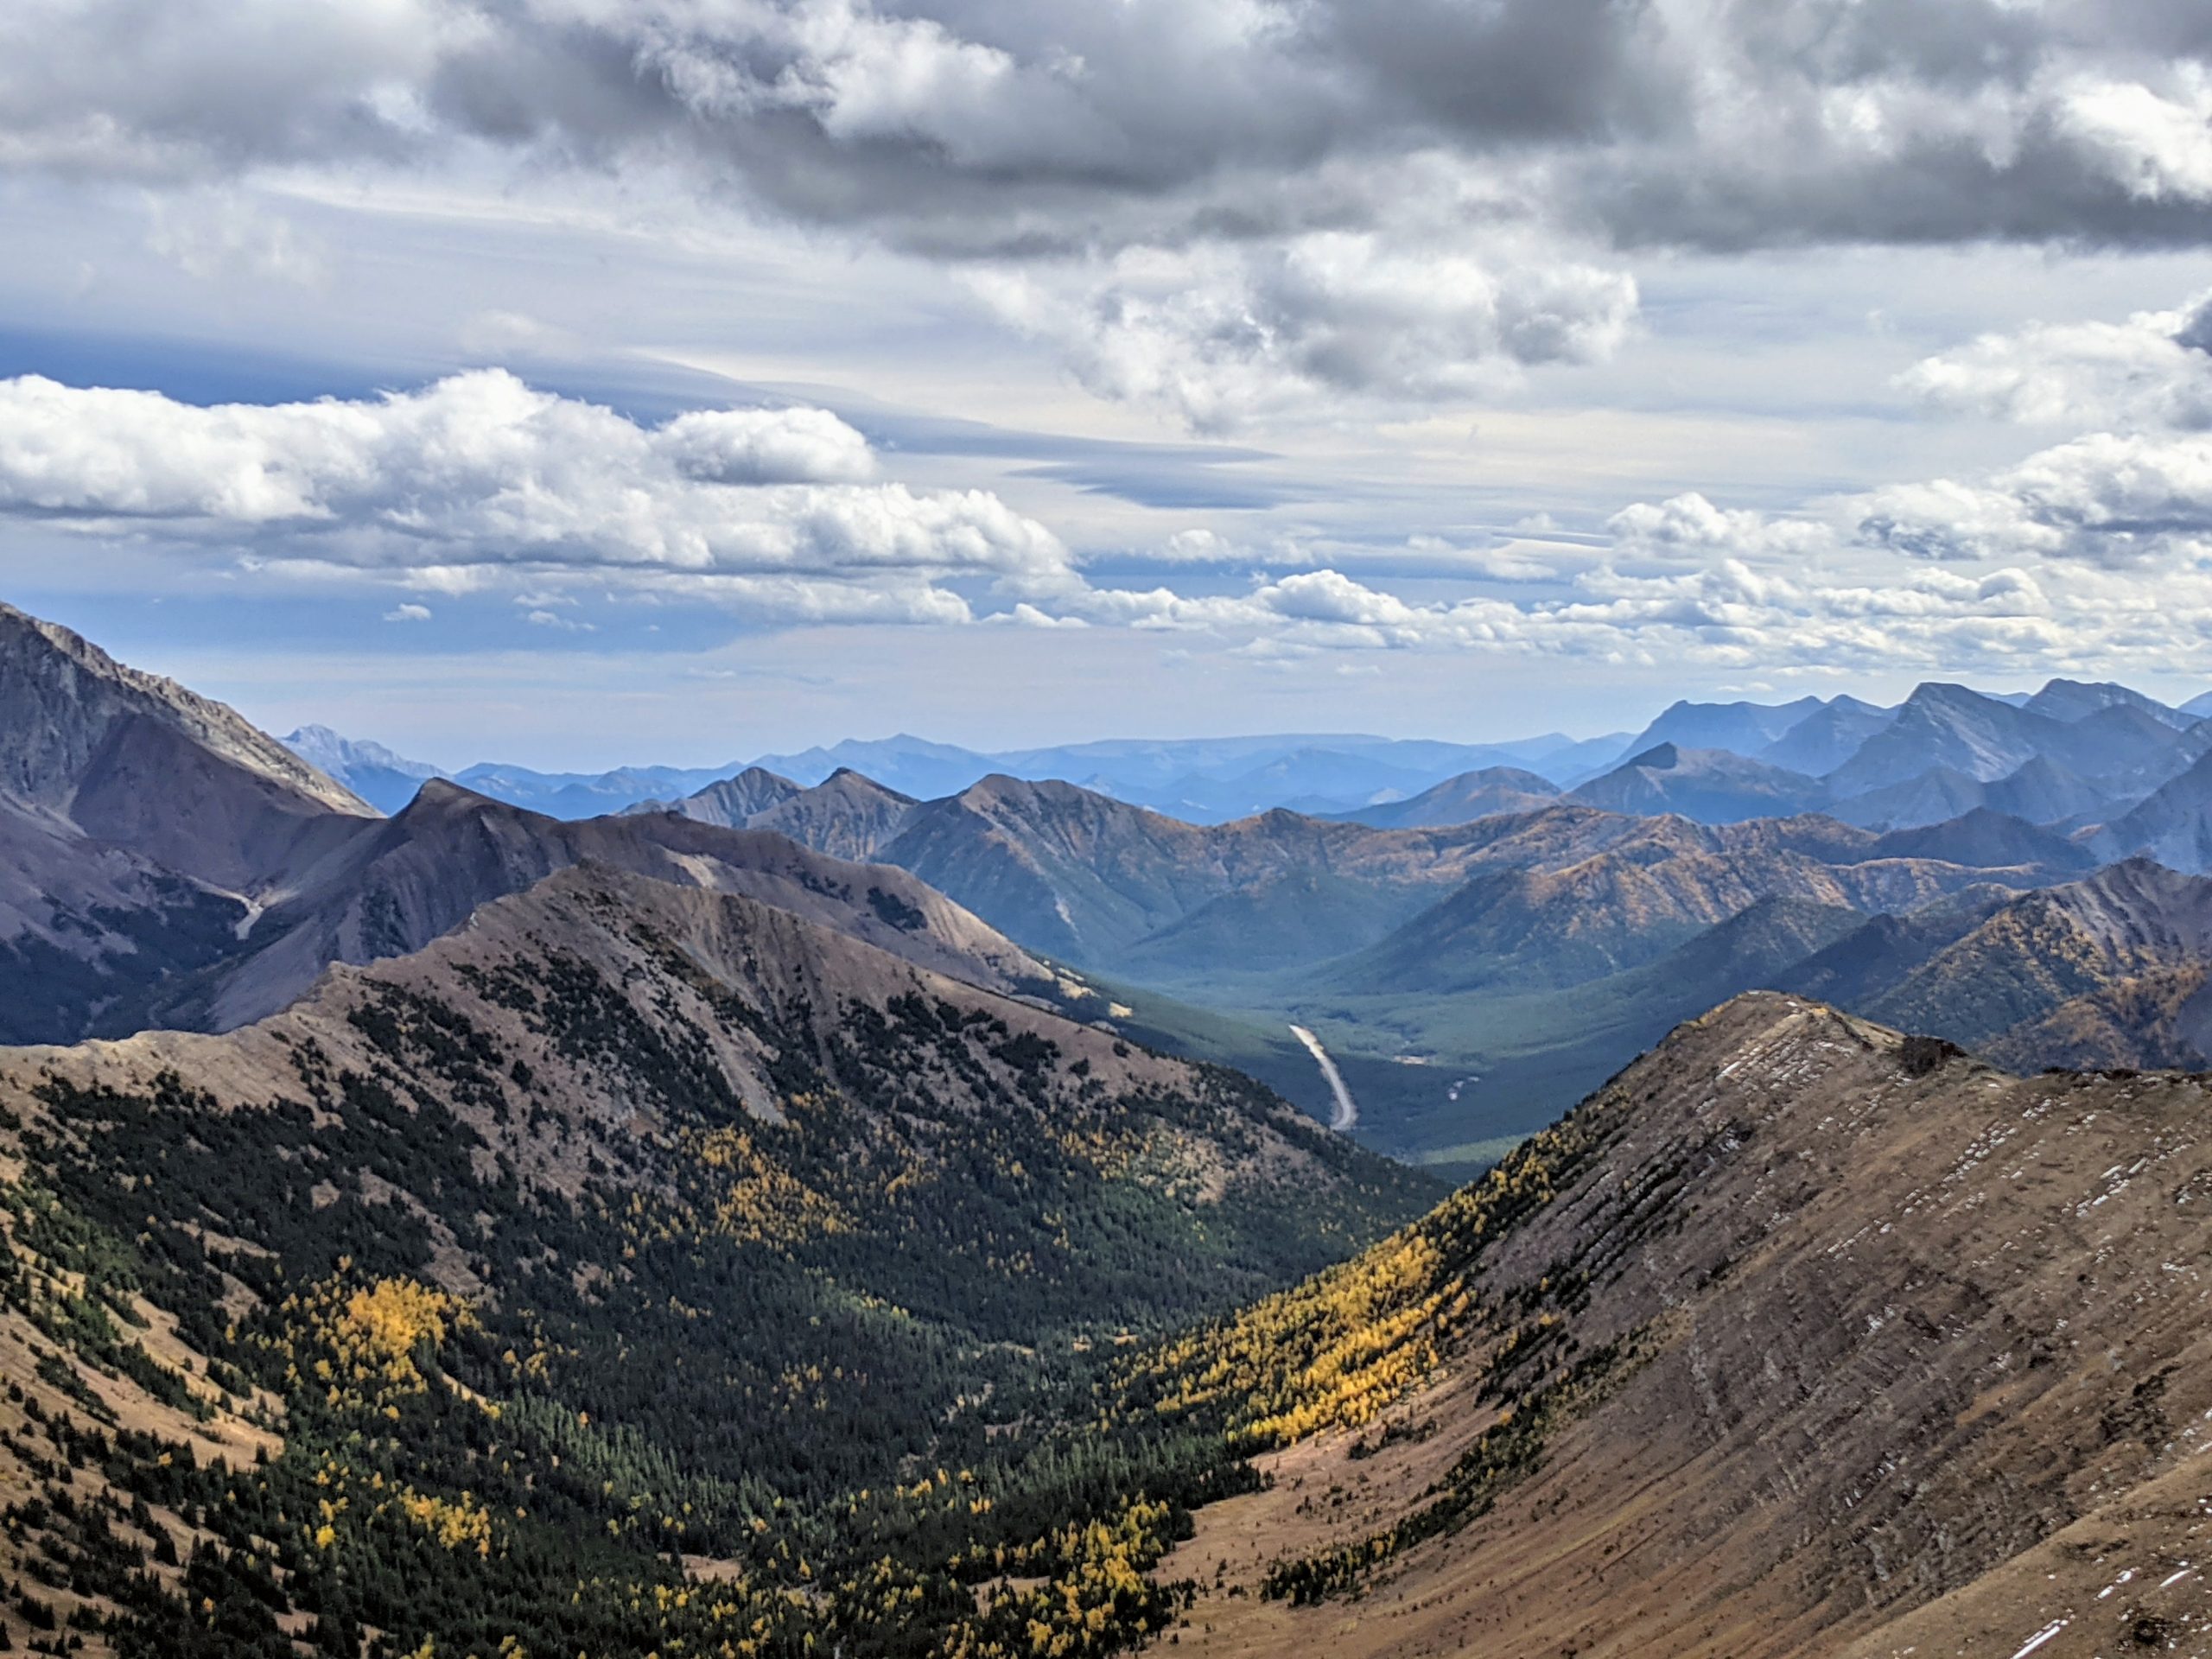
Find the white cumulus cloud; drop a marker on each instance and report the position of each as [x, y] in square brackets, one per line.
[480, 474]
[2155, 369]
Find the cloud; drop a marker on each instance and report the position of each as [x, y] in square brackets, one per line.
[1726, 615]
[217, 234]
[1487, 564]
[506, 336]
[2133, 493]
[1229, 209]
[2155, 369]
[1026, 615]
[554, 620]
[2158, 146]
[971, 126]
[765, 445]
[408, 612]
[1689, 526]
[480, 477]
[1196, 545]
[2087, 553]
[1223, 334]
[2109, 499]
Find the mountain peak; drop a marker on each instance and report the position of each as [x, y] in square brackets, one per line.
[2073, 700]
[440, 795]
[852, 779]
[339, 755]
[1742, 727]
[64, 699]
[1948, 693]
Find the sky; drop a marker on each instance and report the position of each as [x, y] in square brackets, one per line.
[581, 381]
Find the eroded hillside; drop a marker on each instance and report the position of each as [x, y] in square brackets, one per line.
[1800, 1337]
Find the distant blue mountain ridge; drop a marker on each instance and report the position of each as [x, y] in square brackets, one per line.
[2089, 748]
[1207, 781]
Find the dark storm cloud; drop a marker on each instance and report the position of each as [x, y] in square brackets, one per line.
[981, 126]
[1233, 210]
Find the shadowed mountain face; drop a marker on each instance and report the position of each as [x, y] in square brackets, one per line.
[198, 884]
[729, 801]
[633, 1004]
[2036, 953]
[2118, 751]
[1472, 795]
[1091, 881]
[846, 816]
[2160, 1019]
[1952, 728]
[1986, 839]
[1710, 786]
[2174, 825]
[1516, 950]
[1557, 894]
[2070, 699]
[66, 700]
[1743, 728]
[91, 750]
[386, 780]
[2071, 754]
[2041, 793]
[1538, 988]
[1823, 740]
[138, 819]
[171, 865]
[1561, 922]
[1799, 1337]
[1204, 780]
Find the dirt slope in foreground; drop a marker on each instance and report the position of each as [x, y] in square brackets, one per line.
[1838, 1344]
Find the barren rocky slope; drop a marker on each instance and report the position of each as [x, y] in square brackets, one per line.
[1800, 1337]
[2045, 949]
[1710, 786]
[134, 817]
[395, 885]
[66, 698]
[1479, 794]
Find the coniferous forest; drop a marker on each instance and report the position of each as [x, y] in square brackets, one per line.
[500, 1321]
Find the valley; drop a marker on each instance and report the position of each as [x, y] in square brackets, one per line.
[824, 1219]
[938, 829]
[1477, 957]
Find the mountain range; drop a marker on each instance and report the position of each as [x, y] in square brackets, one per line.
[813, 1216]
[1204, 780]
[2072, 755]
[1528, 945]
